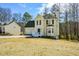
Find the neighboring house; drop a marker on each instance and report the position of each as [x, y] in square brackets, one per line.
[43, 27]
[12, 28]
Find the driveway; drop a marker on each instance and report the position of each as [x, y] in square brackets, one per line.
[15, 36]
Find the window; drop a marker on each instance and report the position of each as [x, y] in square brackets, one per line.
[37, 22]
[46, 21]
[49, 31]
[52, 30]
[52, 21]
[40, 22]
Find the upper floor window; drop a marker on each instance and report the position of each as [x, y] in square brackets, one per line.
[52, 31]
[52, 21]
[37, 22]
[46, 21]
[40, 22]
[49, 31]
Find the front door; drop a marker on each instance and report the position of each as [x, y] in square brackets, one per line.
[39, 31]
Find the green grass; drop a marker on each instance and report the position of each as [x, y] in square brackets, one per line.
[38, 47]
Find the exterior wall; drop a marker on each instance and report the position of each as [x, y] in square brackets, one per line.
[50, 27]
[29, 30]
[54, 27]
[13, 28]
[57, 24]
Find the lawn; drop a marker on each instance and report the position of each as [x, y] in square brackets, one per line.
[38, 47]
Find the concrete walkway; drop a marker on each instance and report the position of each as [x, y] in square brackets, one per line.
[22, 36]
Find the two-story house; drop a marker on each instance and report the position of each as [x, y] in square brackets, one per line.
[47, 27]
[44, 27]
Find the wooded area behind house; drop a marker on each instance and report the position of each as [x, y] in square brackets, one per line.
[69, 28]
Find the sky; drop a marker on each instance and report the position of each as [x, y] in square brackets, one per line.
[32, 8]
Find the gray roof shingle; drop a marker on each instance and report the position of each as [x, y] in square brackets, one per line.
[30, 24]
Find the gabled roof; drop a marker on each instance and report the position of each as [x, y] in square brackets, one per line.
[48, 16]
[20, 24]
[39, 17]
[9, 23]
[30, 24]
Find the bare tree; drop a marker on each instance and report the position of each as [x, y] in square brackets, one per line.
[17, 17]
[45, 12]
[5, 15]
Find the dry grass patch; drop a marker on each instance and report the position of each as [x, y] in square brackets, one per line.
[37, 47]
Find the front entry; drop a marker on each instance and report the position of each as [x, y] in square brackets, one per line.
[39, 31]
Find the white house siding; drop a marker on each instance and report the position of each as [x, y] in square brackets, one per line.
[13, 28]
[29, 30]
[54, 28]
